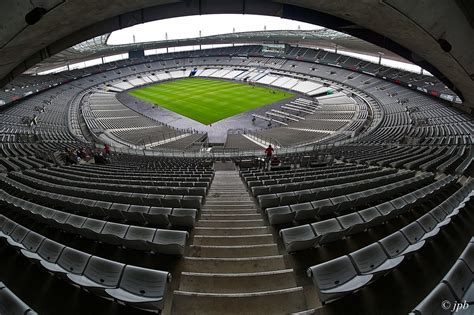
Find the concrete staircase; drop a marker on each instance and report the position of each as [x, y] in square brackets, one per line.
[233, 265]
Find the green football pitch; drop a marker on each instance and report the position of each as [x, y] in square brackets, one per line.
[207, 100]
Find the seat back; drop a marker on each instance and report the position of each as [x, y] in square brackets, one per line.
[332, 273]
[145, 282]
[73, 261]
[50, 250]
[368, 258]
[103, 271]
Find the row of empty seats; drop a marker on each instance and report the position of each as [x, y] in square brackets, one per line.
[135, 208]
[455, 293]
[310, 235]
[347, 274]
[10, 304]
[129, 236]
[139, 287]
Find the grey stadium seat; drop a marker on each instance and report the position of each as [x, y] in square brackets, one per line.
[193, 202]
[269, 200]
[287, 198]
[336, 278]
[298, 238]
[172, 201]
[142, 288]
[429, 224]
[92, 228]
[117, 210]
[3, 220]
[169, 242]
[387, 210]
[114, 233]
[74, 223]
[17, 236]
[260, 190]
[328, 230]
[341, 204]
[372, 259]
[49, 251]
[413, 232]
[352, 223]
[305, 195]
[371, 216]
[396, 244]
[280, 215]
[100, 274]
[10, 304]
[431, 305]
[303, 211]
[71, 261]
[440, 216]
[323, 207]
[460, 279]
[468, 256]
[136, 213]
[7, 228]
[183, 217]
[59, 218]
[32, 241]
[158, 215]
[138, 237]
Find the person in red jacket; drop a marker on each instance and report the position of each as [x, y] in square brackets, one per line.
[107, 149]
[269, 151]
[268, 155]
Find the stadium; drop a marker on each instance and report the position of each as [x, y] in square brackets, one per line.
[316, 158]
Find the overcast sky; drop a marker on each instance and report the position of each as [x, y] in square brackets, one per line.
[188, 27]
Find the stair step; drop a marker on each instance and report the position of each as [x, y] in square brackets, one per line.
[243, 193]
[234, 265]
[231, 231]
[236, 186]
[229, 206]
[227, 201]
[233, 240]
[235, 203]
[231, 188]
[233, 251]
[230, 216]
[241, 282]
[230, 223]
[268, 302]
[236, 194]
[226, 211]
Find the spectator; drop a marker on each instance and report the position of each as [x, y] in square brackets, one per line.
[71, 157]
[268, 155]
[107, 149]
[99, 158]
[269, 151]
[83, 154]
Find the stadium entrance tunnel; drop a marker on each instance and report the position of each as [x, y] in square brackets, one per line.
[400, 27]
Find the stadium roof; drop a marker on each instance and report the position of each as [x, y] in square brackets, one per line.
[435, 35]
[323, 38]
